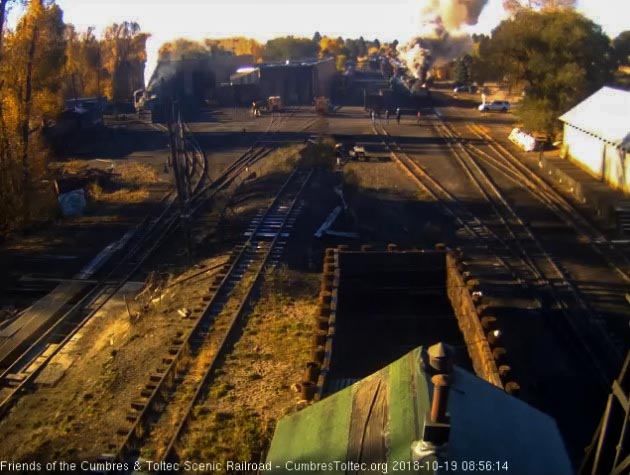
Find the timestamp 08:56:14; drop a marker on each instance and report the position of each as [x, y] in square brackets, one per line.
[452, 465]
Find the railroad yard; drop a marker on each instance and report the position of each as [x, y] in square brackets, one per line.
[189, 339]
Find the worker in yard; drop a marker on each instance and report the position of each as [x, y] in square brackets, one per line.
[373, 116]
[419, 117]
[387, 116]
[398, 116]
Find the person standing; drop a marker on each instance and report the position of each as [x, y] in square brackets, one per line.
[398, 116]
[419, 116]
[387, 116]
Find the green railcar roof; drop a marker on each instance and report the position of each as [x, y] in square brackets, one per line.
[376, 421]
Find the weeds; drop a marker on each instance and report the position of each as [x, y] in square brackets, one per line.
[282, 160]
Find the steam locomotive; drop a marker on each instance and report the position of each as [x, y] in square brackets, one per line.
[411, 87]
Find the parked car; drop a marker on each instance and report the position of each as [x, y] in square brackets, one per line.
[468, 88]
[502, 106]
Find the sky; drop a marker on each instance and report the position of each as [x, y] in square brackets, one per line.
[264, 19]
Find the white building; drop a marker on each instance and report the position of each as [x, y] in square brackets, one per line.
[597, 136]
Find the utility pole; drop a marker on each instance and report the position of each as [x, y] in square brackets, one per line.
[182, 185]
[185, 173]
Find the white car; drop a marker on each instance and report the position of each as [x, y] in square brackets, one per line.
[470, 89]
[502, 106]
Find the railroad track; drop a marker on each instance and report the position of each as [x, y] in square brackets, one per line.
[256, 152]
[507, 164]
[20, 374]
[499, 228]
[148, 237]
[546, 273]
[211, 332]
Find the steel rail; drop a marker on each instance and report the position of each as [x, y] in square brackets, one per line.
[135, 434]
[170, 453]
[522, 254]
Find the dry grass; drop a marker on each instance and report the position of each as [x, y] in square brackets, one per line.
[124, 182]
[137, 174]
[196, 368]
[71, 167]
[252, 389]
[281, 160]
[123, 195]
[382, 178]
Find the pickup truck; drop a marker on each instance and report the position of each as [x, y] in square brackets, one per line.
[365, 151]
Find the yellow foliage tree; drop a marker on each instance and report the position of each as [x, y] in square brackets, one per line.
[240, 45]
[330, 46]
[31, 72]
[43, 61]
[182, 48]
[124, 57]
[340, 62]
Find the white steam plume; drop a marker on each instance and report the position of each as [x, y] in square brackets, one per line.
[441, 38]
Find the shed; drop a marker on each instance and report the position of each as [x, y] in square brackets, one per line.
[381, 421]
[299, 81]
[597, 136]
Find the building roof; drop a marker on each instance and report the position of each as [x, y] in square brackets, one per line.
[378, 418]
[605, 114]
[238, 75]
[294, 63]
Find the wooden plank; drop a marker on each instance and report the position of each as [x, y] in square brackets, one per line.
[368, 424]
[328, 222]
[44, 308]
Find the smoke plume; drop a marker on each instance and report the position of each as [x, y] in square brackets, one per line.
[441, 38]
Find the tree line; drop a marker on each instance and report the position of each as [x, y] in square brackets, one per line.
[277, 49]
[44, 61]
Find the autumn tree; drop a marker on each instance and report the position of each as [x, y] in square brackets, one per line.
[4, 145]
[85, 74]
[42, 62]
[331, 46]
[124, 56]
[183, 48]
[560, 55]
[340, 62]
[238, 45]
[31, 70]
[512, 7]
[289, 47]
